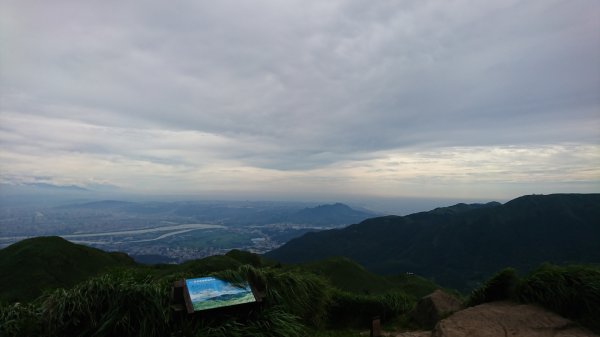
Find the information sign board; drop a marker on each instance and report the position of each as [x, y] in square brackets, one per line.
[210, 293]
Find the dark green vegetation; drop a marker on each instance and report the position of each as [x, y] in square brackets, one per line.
[571, 291]
[462, 245]
[30, 266]
[133, 300]
[106, 294]
[349, 276]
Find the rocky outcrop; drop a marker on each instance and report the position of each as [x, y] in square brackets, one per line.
[433, 307]
[502, 319]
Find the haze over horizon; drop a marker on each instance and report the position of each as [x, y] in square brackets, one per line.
[295, 99]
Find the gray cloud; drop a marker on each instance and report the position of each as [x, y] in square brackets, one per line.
[295, 85]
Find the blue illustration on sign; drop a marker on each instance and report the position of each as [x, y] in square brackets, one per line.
[209, 293]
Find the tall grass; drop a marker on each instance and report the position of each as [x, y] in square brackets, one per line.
[572, 291]
[271, 322]
[357, 310]
[109, 305]
[116, 304]
[304, 295]
[19, 320]
[301, 294]
[129, 303]
[502, 286]
[292, 302]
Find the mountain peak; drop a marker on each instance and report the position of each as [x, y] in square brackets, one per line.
[331, 214]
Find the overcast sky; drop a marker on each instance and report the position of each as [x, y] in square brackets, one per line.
[301, 99]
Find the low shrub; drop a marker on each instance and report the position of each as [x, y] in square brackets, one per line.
[571, 291]
[354, 310]
[109, 305]
[17, 320]
[502, 286]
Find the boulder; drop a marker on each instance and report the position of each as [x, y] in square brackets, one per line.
[433, 307]
[508, 319]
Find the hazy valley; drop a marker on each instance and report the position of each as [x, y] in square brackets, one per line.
[155, 232]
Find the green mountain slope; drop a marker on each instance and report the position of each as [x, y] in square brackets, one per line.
[30, 266]
[350, 276]
[460, 246]
[301, 300]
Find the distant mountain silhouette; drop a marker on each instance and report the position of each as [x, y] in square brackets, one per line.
[334, 214]
[104, 204]
[236, 213]
[43, 194]
[461, 245]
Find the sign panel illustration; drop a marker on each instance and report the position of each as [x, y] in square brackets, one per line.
[209, 293]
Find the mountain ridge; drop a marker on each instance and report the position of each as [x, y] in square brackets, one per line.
[459, 249]
[331, 215]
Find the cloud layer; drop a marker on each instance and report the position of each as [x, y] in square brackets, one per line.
[388, 97]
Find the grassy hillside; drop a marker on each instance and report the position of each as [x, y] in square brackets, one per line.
[302, 300]
[30, 266]
[462, 245]
[44, 263]
[134, 301]
[350, 276]
[52, 262]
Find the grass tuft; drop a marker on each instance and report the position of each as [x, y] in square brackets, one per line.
[501, 286]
